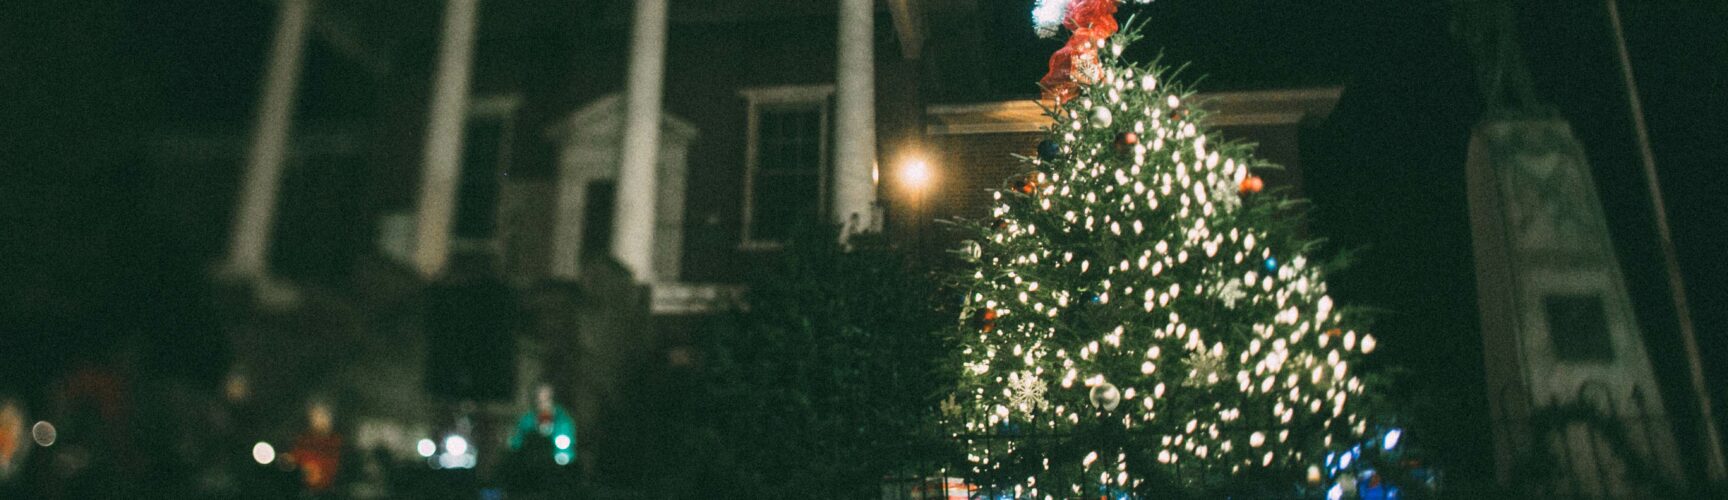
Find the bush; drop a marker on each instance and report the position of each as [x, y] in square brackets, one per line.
[826, 375]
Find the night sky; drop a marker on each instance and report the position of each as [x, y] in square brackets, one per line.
[91, 253]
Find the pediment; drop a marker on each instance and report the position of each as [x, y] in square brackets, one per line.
[602, 119]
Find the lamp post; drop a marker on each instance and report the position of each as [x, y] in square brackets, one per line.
[915, 179]
[1712, 445]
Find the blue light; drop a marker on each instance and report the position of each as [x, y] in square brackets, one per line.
[1391, 439]
[1336, 492]
[1271, 264]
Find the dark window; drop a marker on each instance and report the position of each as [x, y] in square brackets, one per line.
[597, 220]
[1578, 327]
[787, 181]
[483, 146]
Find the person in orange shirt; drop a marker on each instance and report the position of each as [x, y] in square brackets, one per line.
[11, 438]
[318, 451]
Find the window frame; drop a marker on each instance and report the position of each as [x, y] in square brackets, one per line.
[762, 99]
[504, 108]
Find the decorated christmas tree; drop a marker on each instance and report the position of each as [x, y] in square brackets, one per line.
[1141, 319]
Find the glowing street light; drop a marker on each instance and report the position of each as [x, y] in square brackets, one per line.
[915, 173]
[263, 453]
[456, 445]
[426, 448]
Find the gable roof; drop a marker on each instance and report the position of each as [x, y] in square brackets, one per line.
[605, 116]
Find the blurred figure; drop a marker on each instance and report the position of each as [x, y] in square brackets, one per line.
[318, 451]
[229, 432]
[13, 444]
[543, 449]
[95, 455]
[549, 424]
[237, 387]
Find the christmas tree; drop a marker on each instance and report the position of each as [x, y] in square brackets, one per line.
[1141, 317]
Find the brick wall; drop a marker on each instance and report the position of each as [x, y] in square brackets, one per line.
[965, 168]
[972, 165]
[968, 167]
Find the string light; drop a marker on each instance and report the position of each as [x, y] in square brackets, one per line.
[1160, 214]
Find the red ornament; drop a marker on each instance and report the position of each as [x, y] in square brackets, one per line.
[988, 320]
[1252, 185]
[1126, 141]
[1028, 185]
[1334, 332]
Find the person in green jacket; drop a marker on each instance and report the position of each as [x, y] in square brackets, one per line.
[547, 425]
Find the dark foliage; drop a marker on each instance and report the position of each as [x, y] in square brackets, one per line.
[817, 385]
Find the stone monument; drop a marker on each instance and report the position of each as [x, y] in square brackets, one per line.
[1572, 395]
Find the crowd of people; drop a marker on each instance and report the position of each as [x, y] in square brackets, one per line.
[100, 436]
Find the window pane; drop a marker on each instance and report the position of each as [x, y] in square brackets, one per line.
[1578, 327]
[597, 224]
[781, 203]
[477, 194]
[786, 184]
[790, 140]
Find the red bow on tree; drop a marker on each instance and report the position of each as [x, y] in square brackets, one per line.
[1092, 22]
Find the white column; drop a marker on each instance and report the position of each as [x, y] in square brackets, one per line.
[571, 208]
[442, 167]
[855, 118]
[253, 219]
[633, 219]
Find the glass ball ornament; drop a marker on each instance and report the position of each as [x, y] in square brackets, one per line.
[44, 433]
[1102, 117]
[1048, 150]
[1271, 264]
[1106, 396]
[986, 320]
[1251, 184]
[1125, 142]
[971, 250]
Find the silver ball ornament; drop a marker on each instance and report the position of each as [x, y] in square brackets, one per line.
[1101, 117]
[1106, 396]
[971, 250]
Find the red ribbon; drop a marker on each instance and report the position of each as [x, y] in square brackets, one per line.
[1092, 22]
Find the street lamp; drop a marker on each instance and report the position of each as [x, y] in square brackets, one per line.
[263, 453]
[915, 173]
[915, 178]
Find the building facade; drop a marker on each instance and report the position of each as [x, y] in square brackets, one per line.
[609, 172]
